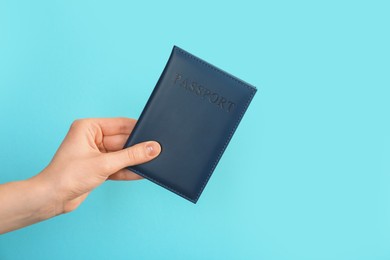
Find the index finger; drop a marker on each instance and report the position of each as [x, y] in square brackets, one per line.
[116, 125]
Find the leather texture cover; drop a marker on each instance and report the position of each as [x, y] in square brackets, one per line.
[193, 113]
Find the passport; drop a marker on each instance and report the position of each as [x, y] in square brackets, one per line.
[193, 112]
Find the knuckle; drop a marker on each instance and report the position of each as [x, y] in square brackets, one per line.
[135, 154]
[77, 123]
[132, 154]
[81, 123]
[123, 129]
[106, 164]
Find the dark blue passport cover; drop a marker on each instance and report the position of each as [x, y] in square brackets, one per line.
[193, 113]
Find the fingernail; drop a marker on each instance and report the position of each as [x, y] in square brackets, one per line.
[153, 148]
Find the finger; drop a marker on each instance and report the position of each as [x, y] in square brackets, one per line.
[136, 154]
[117, 125]
[113, 143]
[97, 128]
[125, 175]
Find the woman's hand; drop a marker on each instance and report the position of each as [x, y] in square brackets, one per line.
[90, 154]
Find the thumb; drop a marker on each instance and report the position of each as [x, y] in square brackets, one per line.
[136, 154]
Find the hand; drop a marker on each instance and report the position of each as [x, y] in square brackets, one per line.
[90, 154]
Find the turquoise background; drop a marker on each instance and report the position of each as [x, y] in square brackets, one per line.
[307, 175]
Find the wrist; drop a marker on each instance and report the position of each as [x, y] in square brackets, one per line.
[26, 202]
[47, 201]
